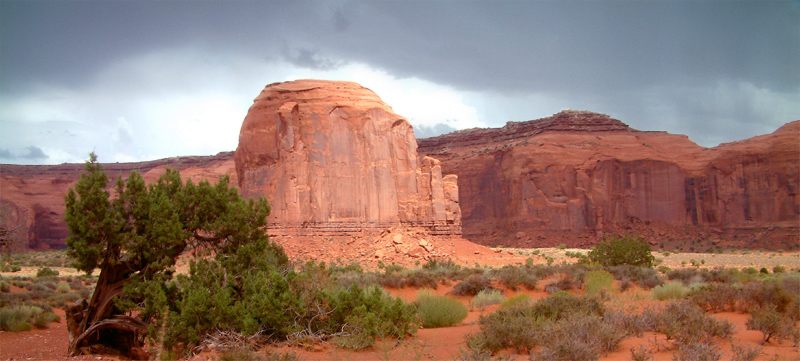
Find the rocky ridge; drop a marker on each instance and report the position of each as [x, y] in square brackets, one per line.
[576, 177]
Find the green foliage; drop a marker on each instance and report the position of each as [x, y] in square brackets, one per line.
[670, 291]
[136, 236]
[486, 298]
[516, 300]
[439, 311]
[9, 267]
[24, 317]
[46, 272]
[744, 352]
[622, 250]
[597, 281]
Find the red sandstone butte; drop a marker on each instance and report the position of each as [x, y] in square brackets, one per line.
[333, 159]
[577, 176]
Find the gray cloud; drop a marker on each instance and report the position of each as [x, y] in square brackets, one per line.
[715, 70]
[30, 154]
[421, 131]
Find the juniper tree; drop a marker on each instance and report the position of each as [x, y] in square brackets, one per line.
[134, 235]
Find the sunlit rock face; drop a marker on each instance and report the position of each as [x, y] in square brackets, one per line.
[332, 158]
[577, 176]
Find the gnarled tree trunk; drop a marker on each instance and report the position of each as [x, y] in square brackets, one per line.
[99, 326]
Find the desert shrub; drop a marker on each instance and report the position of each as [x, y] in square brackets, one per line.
[439, 311]
[772, 323]
[643, 276]
[62, 288]
[472, 285]
[771, 294]
[597, 281]
[515, 276]
[5, 287]
[716, 297]
[744, 353]
[778, 269]
[641, 353]
[46, 272]
[8, 267]
[516, 300]
[24, 317]
[566, 283]
[578, 337]
[622, 250]
[670, 291]
[686, 323]
[697, 351]
[243, 354]
[485, 298]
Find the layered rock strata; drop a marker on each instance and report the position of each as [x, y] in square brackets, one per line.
[333, 159]
[32, 196]
[576, 176]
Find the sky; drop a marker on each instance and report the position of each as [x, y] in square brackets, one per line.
[145, 80]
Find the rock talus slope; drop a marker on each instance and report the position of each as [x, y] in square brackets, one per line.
[576, 176]
[333, 159]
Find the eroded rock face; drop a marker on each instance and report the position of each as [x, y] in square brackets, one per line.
[32, 196]
[333, 159]
[576, 176]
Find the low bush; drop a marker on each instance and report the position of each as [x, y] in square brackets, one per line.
[516, 300]
[597, 281]
[772, 323]
[687, 323]
[472, 285]
[578, 337]
[515, 276]
[744, 353]
[486, 298]
[716, 297]
[670, 291]
[248, 355]
[46, 272]
[8, 267]
[24, 317]
[522, 325]
[641, 353]
[622, 250]
[643, 276]
[697, 351]
[5, 287]
[439, 311]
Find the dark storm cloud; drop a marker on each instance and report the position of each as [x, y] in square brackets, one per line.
[717, 70]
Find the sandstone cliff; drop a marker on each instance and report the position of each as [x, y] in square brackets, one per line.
[32, 196]
[333, 159]
[576, 176]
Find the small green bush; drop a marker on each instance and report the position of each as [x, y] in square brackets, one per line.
[579, 337]
[439, 311]
[472, 285]
[778, 269]
[643, 276]
[24, 317]
[485, 298]
[5, 287]
[622, 250]
[8, 267]
[46, 272]
[516, 300]
[597, 281]
[670, 291]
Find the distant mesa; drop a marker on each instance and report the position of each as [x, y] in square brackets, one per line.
[333, 159]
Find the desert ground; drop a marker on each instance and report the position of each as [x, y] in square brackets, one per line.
[446, 343]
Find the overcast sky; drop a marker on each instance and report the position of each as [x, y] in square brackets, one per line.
[145, 80]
